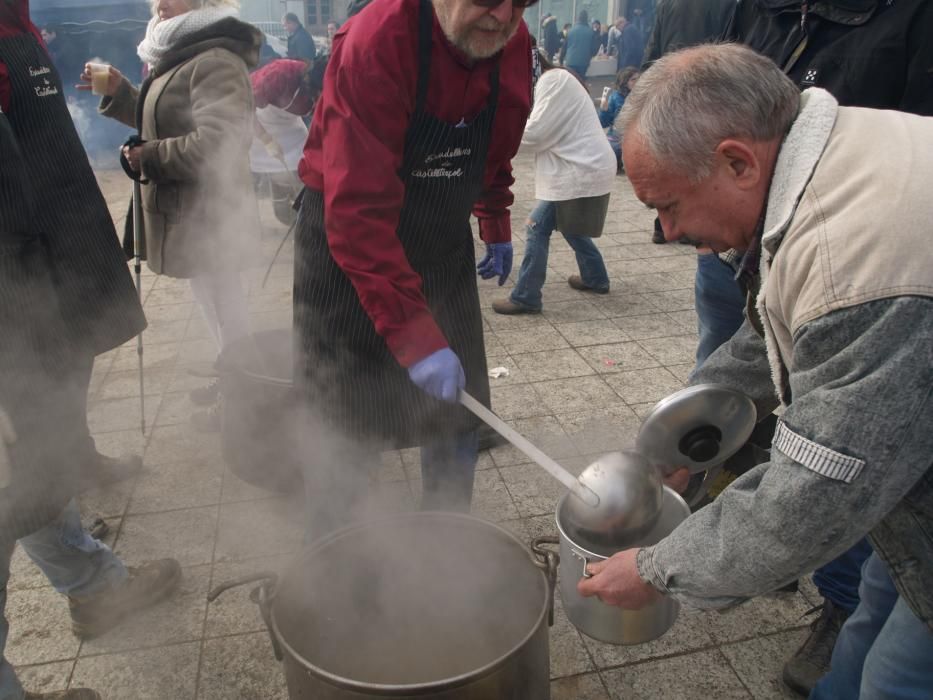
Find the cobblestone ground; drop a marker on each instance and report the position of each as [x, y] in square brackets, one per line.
[580, 374]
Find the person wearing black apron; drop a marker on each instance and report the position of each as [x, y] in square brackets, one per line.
[67, 296]
[99, 303]
[344, 367]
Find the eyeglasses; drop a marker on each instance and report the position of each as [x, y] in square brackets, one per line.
[495, 3]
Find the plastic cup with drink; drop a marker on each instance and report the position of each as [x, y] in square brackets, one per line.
[100, 77]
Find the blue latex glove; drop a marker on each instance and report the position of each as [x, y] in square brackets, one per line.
[498, 261]
[440, 374]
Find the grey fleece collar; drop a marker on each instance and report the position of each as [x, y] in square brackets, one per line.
[801, 151]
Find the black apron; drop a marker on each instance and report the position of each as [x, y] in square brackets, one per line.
[95, 289]
[342, 364]
[65, 288]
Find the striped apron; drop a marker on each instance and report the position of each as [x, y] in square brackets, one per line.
[342, 365]
[66, 292]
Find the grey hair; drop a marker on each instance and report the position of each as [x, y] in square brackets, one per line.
[689, 101]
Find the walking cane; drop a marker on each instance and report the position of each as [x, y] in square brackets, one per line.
[133, 141]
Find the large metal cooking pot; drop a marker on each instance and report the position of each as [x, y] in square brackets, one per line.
[591, 616]
[422, 605]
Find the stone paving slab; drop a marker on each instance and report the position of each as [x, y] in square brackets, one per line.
[580, 376]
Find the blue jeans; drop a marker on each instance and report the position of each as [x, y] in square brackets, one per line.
[533, 272]
[75, 564]
[720, 304]
[838, 580]
[883, 651]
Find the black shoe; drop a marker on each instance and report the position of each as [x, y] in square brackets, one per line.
[487, 438]
[209, 420]
[102, 470]
[205, 395]
[658, 235]
[811, 662]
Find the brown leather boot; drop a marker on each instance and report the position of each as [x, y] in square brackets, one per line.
[146, 585]
[510, 308]
[576, 282]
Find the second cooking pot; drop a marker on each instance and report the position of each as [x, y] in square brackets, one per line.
[591, 616]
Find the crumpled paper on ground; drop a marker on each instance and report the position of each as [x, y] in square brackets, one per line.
[497, 372]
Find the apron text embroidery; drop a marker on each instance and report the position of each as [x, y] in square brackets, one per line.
[437, 172]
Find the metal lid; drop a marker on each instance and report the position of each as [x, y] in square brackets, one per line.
[697, 427]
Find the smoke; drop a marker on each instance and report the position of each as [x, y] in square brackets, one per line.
[80, 117]
[411, 600]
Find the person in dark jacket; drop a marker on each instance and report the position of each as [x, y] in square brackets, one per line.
[578, 49]
[677, 25]
[682, 23]
[599, 37]
[300, 43]
[631, 49]
[868, 53]
[67, 296]
[550, 36]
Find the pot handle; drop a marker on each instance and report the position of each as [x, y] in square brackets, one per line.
[547, 560]
[262, 595]
[582, 557]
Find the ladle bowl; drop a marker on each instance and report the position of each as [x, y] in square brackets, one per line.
[630, 494]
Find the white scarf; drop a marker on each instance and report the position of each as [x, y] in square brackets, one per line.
[162, 35]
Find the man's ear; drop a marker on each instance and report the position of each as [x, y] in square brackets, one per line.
[743, 163]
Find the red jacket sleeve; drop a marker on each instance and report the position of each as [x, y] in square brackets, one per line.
[362, 152]
[492, 209]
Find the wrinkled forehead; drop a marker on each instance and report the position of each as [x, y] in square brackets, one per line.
[652, 181]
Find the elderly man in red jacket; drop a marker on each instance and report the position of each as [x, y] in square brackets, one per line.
[419, 136]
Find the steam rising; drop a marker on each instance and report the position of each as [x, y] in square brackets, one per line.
[411, 600]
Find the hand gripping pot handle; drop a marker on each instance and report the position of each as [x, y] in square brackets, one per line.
[547, 560]
[262, 595]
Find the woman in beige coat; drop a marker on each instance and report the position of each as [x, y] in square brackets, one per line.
[194, 112]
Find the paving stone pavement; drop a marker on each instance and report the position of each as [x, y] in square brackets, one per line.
[580, 375]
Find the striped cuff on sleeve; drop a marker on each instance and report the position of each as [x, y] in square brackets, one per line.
[816, 457]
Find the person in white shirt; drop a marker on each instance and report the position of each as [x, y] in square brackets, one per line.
[573, 160]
